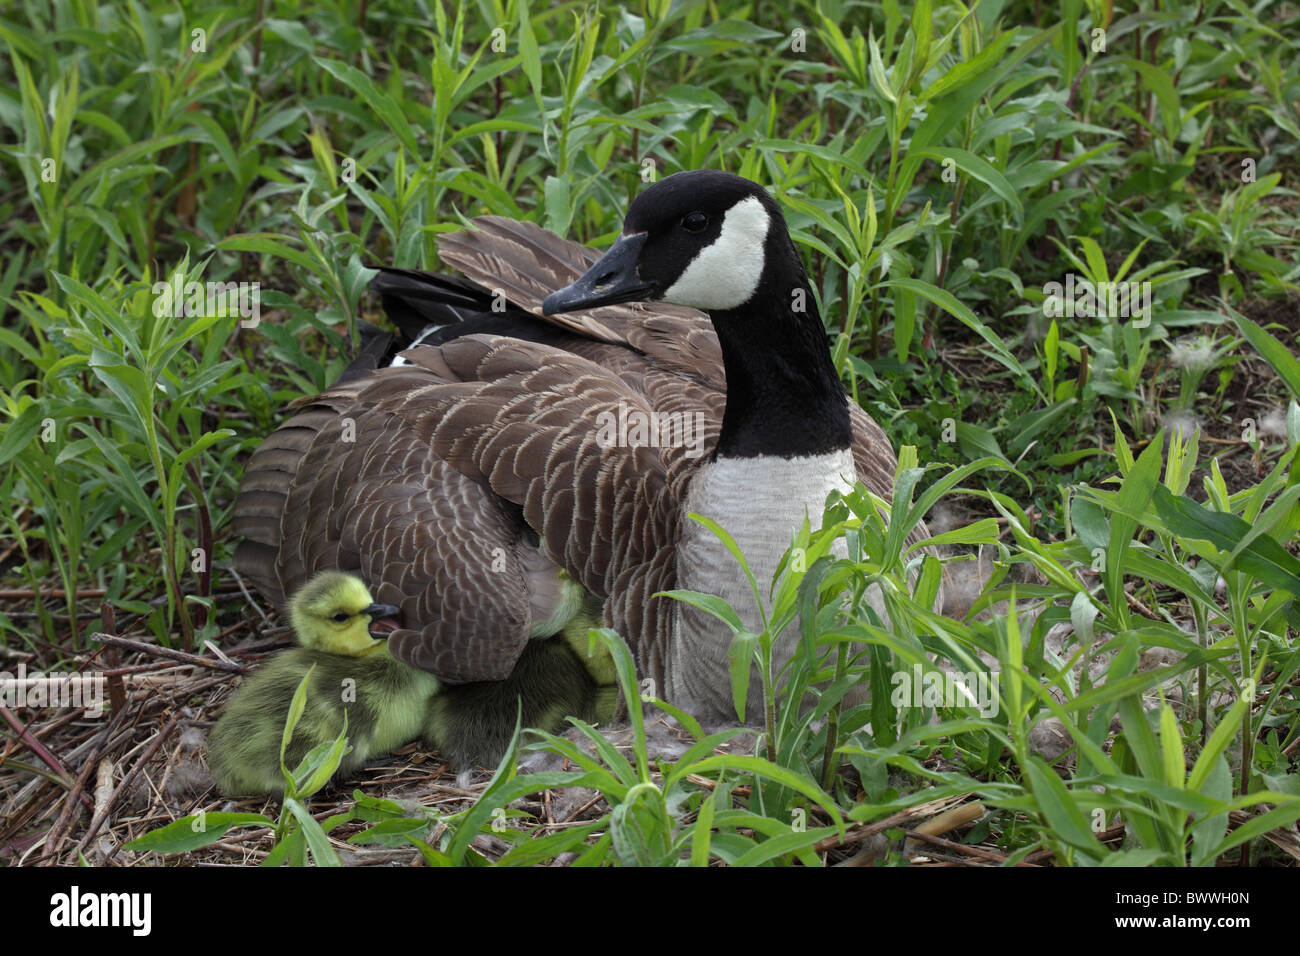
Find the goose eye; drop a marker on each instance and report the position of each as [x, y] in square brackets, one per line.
[695, 222]
[341, 616]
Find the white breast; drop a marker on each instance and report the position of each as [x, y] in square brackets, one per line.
[761, 502]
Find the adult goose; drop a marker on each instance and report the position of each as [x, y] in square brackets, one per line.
[509, 468]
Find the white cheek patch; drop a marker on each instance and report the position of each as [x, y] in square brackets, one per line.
[725, 273]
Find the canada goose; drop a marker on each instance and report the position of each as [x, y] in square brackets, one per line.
[477, 481]
[386, 701]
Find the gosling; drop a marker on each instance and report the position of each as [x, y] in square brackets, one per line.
[386, 701]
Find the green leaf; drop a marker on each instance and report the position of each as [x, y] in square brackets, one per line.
[1132, 499]
[1051, 349]
[740, 665]
[1209, 829]
[709, 603]
[1082, 615]
[529, 54]
[321, 762]
[558, 208]
[317, 840]
[950, 304]
[296, 708]
[1028, 427]
[193, 832]
[1257, 553]
[1217, 744]
[904, 322]
[640, 828]
[271, 245]
[1060, 810]
[963, 75]
[702, 831]
[978, 168]
[1275, 353]
[983, 531]
[21, 432]
[976, 440]
[379, 102]
[1171, 747]
[1276, 819]
[877, 72]
[777, 774]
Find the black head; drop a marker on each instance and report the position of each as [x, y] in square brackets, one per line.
[698, 238]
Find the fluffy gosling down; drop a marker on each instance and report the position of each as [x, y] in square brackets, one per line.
[386, 701]
[389, 703]
[555, 678]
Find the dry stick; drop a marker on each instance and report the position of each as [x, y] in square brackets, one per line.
[98, 821]
[1142, 608]
[61, 618]
[958, 816]
[1105, 836]
[860, 834]
[582, 809]
[116, 691]
[20, 816]
[36, 747]
[248, 597]
[54, 724]
[103, 784]
[137, 669]
[975, 851]
[935, 827]
[58, 833]
[183, 656]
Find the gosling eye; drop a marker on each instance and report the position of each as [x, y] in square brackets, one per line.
[340, 616]
[695, 222]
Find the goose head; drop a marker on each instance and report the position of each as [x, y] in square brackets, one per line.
[718, 242]
[333, 612]
[703, 239]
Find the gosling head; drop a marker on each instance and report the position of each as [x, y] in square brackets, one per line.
[334, 612]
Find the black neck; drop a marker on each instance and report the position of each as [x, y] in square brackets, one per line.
[783, 395]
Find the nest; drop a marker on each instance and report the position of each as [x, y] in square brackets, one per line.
[78, 785]
[103, 781]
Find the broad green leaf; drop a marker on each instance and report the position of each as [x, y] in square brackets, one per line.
[193, 832]
[978, 168]
[1275, 353]
[1261, 556]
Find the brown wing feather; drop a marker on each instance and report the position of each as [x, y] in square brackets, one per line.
[601, 513]
[421, 534]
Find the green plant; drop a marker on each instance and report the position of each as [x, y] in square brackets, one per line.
[1236, 232]
[1238, 537]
